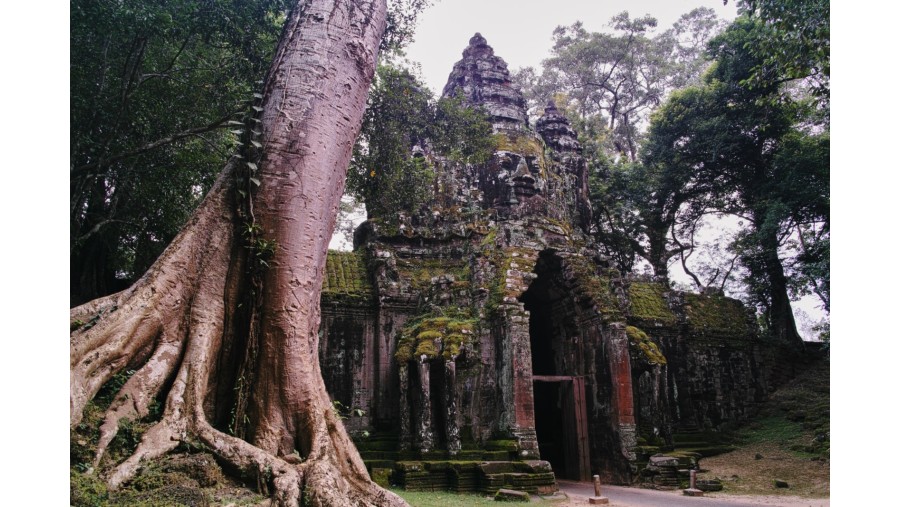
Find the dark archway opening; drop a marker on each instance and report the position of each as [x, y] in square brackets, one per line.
[559, 400]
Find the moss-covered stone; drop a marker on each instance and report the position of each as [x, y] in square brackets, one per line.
[523, 144]
[716, 316]
[596, 286]
[648, 304]
[382, 476]
[643, 345]
[346, 278]
[420, 272]
[433, 336]
[502, 445]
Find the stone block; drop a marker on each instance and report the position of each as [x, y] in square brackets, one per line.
[511, 495]
[382, 476]
[693, 492]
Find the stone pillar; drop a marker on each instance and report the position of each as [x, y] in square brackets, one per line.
[453, 443]
[405, 433]
[622, 394]
[425, 433]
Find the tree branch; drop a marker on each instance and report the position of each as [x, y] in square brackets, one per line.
[219, 123]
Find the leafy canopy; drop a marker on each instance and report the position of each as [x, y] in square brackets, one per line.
[394, 167]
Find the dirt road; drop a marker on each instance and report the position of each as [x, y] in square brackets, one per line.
[620, 496]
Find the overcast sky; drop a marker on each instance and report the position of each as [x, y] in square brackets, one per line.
[520, 30]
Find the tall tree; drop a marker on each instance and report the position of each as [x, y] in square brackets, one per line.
[216, 324]
[745, 151]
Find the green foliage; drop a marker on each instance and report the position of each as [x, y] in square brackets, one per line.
[750, 151]
[86, 490]
[152, 85]
[402, 16]
[797, 45]
[385, 172]
[461, 133]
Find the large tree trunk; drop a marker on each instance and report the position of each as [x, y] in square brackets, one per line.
[180, 326]
[779, 314]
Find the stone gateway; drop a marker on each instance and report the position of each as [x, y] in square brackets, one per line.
[484, 344]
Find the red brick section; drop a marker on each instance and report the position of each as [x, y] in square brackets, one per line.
[620, 371]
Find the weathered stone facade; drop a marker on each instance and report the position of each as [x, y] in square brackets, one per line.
[490, 330]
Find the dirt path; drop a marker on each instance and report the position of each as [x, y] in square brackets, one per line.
[620, 496]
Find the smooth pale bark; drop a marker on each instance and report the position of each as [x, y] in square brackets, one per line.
[173, 324]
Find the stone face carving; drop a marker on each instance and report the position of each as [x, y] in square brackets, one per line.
[489, 329]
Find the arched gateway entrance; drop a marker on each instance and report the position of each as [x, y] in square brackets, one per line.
[557, 352]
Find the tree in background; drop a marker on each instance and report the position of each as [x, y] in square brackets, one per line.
[608, 85]
[797, 45]
[153, 88]
[611, 82]
[748, 150]
[222, 330]
[391, 172]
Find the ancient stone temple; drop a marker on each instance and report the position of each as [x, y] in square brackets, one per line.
[485, 344]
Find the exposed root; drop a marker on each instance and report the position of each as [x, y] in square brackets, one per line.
[159, 440]
[286, 478]
[134, 399]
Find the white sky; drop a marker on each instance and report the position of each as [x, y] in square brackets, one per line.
[520, 30]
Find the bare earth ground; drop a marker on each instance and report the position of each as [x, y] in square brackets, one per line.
[578, 494]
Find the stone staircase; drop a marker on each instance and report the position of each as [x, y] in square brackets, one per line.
[486, 470]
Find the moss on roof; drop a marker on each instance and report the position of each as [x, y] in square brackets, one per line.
[346, 277]
[649, 305]
[716, 316]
